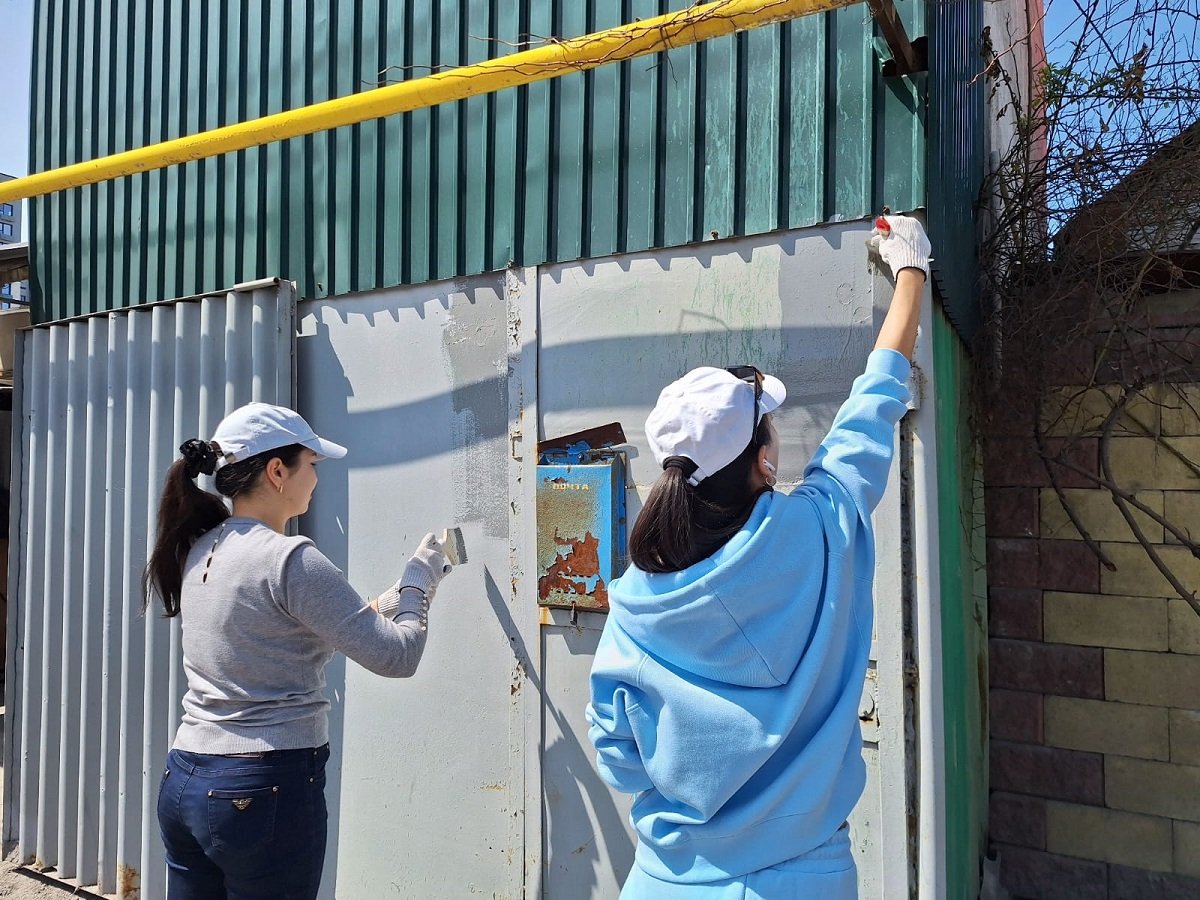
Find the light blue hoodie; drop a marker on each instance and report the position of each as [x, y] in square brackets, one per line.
[726, 696]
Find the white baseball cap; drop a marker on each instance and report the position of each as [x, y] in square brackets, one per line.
[708, 416]
[258, 427]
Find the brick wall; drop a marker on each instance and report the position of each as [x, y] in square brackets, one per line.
[1095, 673]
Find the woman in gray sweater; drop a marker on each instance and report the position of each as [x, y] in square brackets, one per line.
[242, 803]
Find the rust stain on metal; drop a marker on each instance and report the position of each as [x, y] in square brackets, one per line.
[601, 436]
[129, 882]
[568, 548]
[571, 571]
[570, 512]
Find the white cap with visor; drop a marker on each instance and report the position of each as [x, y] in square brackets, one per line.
[258, 427]
[709, 416]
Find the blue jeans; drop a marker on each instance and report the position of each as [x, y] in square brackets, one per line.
[244, 828]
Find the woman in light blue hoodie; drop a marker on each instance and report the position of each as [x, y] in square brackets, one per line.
[726, 685]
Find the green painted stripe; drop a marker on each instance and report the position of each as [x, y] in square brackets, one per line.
[963, 613]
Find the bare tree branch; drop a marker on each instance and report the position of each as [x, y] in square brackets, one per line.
[1093, 215]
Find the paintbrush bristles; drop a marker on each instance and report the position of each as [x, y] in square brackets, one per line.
[454, 546]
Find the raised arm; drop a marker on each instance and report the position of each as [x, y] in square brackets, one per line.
[899, 331]
[904, 249]
[854, 459]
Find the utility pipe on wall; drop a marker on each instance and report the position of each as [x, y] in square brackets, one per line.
[931, 714]
[677, 29]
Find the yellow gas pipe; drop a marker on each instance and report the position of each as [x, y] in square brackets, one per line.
[677, 29]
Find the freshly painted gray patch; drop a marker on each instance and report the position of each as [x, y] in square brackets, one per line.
[473, 342]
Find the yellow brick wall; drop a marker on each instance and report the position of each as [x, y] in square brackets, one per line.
[1146, 726]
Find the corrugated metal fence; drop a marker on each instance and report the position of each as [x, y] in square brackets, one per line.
[956, 164]
[779, 127]
[94, 686]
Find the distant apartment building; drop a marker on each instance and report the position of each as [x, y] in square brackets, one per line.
[10, 233]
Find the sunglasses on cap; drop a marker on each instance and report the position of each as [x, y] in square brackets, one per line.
[751, 376]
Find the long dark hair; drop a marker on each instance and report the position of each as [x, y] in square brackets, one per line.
[680, 524]
[185, 511]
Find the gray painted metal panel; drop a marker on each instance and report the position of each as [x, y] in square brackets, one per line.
[93, 686]
[881, 828]
[802, 305]
[430, 388]
[785, 126]
[589, 845]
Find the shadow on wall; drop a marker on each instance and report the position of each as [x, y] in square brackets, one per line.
[578, 790]
[396, 433]
[581, 796]
[334, 491]
[704, 254]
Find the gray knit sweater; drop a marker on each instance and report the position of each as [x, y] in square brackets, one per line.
[262, 616]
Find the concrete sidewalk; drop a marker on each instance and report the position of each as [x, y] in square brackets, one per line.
[18, 885]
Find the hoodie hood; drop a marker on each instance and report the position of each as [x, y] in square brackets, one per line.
[720, 618]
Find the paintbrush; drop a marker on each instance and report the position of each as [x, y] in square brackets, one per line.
[453, 546]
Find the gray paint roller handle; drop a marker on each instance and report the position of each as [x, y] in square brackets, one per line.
[453, 546]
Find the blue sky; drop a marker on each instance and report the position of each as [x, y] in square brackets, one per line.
[1113, 115]
[1064, 23]
[17, 16]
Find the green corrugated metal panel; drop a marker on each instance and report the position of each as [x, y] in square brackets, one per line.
[781, 127]
[956, 151]
[963, 612]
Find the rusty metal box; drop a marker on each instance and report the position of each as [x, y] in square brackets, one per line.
[580, 527]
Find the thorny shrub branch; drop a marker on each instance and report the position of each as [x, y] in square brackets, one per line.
[1123, 505]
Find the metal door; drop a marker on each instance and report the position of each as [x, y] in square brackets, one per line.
[427, 386]
[803, 306]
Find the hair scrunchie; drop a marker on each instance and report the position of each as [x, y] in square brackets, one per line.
[682, 463]
[199, 456]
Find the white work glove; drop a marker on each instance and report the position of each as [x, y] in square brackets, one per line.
[416, 587]
[400, 599]
[903, 246]
[427, 567]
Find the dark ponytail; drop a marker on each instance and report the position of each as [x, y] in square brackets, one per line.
[680, 524]
[185, 512]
